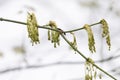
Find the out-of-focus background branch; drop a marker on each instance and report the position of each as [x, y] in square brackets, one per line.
[57, 64]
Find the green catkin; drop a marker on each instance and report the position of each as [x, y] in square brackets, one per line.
[74, 42]
[32, 28]
[55, 36]
[90, 70]
[91, 42]
[105, 32]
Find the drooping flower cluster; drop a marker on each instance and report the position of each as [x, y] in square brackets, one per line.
[91, 41]
[74, 42]
[32, 28]
[90, 70]
[54, 36]
[105, 32]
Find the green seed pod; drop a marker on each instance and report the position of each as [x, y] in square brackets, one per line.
[32, 28]
[91, 41]
[105, 32]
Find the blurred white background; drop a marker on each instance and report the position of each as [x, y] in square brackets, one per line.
[19, 60]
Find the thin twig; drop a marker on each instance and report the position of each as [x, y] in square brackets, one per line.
[80, 28]
[19, 22]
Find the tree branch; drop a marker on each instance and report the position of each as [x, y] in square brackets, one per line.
[61, 33]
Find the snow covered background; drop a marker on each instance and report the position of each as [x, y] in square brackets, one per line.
[43, 61]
